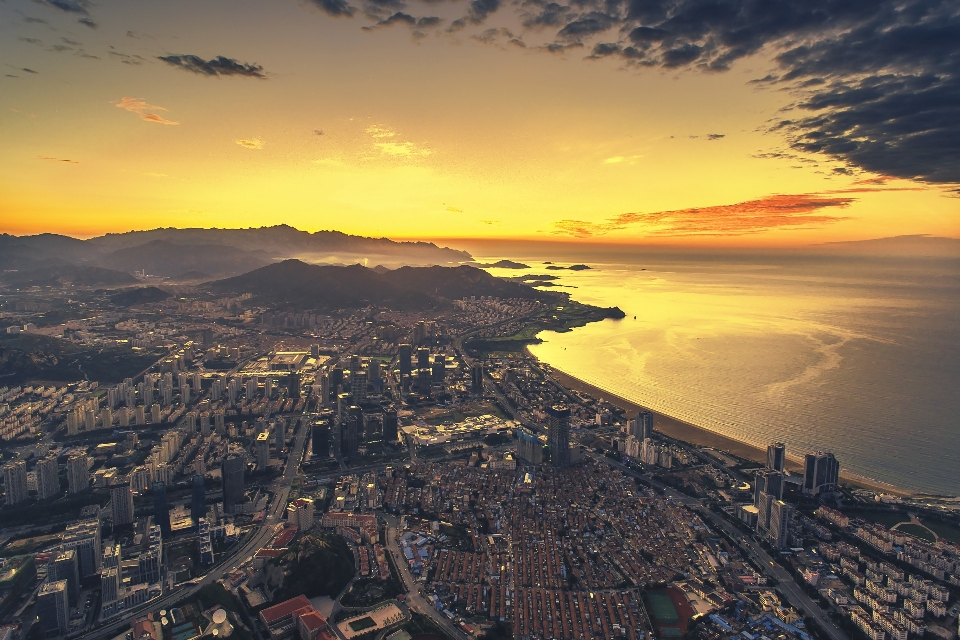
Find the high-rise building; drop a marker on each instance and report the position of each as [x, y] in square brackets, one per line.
[776, 454]
[780, 515]
[321, 435]
[336, 379]
[78, 473]
[198, 505]
[404, 353]
[53, 608]
[121, 501]
[343, 405]
[232, 469]
[821, 473]
[262, 448]
[391, 424]
[529, 447]
[15, 481]
[161, 510]
[111, 578]
[279, 435]
[641, 427]
[476, 378]
[84, 538]
[770, 482]
[423, 358]
[48, 478]
[65, 567]
[358, 386]
[293, 386]
[558, 435]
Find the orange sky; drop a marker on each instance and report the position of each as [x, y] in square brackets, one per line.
[420, 134]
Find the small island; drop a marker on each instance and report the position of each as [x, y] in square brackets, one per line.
[502, 264]
[574, 267]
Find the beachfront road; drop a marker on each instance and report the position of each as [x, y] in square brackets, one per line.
[793, 593]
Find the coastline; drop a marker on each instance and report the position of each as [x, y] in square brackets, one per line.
[699, 436]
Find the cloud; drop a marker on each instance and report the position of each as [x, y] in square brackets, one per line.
[753, 216]
[69, 6]
[621, 159]
[29, 70]
[32, 40]
[876, 82]
[402, 149]
[335, 8]
[454, 210]
[144, 110]
[716, 136]
[52, 159]
[87, 22]
[377, 131]
[256, 143]
[219, 66]
[127, 58]
[416, 24]
[318, 132]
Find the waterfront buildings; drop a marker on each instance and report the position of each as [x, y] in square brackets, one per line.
[821, 472]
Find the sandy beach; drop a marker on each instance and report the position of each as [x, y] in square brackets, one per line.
[680, 430]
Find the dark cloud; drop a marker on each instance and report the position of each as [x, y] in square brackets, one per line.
[335, 8]
[32, 40]
[52, 159]
[87, 22]
[404, 18]
[549, 15]
[219, 66]
[587, 25]
[70, 6]
[30, 20]
[127, 58]
[476, 13]
[716, 136]
[72, 43]
[28, 70]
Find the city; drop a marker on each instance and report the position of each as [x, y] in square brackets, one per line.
[269, 472]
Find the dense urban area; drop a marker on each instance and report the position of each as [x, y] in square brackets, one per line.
[181, 461]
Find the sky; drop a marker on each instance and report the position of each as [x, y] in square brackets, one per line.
[711, 122]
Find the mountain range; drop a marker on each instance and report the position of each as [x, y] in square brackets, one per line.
[174, 253]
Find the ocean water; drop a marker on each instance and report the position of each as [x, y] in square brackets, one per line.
[858, 356]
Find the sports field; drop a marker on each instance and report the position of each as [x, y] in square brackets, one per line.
[662, 608]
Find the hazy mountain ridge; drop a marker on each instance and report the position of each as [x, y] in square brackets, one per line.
[219, 252]
[296, 283]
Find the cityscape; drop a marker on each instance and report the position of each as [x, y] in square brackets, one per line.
[480, 320]
[375, 473]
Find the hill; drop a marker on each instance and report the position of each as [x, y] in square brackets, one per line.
[139, 295]
[317, 564]
[27, 357]
[299, 284]
[84, 276]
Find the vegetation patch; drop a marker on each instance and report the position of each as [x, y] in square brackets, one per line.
[317, 564]
[918, 531]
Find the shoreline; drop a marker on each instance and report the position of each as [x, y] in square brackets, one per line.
[702, 437]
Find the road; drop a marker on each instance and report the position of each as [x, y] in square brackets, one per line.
[255, 541]
[793, 592]
[414, 600]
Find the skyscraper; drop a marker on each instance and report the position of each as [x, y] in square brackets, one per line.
[642, 425]
[821, 473]
[423, 358]
[780, 515]
[48, 478]
[121, 501]
[321, 434]
[390, 424]
[198, 505]
[279, 435]
[53, 608]
[161, 511]
[84, 537]
[775, 456]
[232, 469]
[558, 435]
[262, 449]
[15, 481]
[404, 353]
[476, 378]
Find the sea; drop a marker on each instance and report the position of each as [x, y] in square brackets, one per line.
[859, 356]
